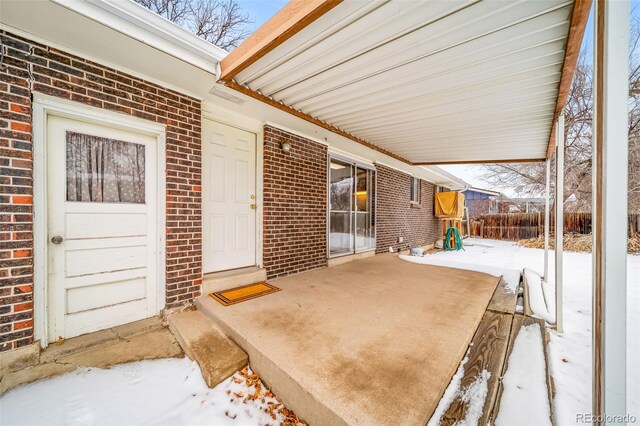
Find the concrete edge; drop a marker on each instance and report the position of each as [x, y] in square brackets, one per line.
[223, 281]
[19, 358]
[288, 390]
[335, 261]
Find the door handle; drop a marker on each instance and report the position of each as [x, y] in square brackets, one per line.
[253, 206]
[57, 239]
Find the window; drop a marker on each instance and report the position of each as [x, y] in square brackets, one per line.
[415, 190]
[104, 170]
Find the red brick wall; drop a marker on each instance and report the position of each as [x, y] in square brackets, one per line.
[30, 67]
[397, 217]
[295, 204]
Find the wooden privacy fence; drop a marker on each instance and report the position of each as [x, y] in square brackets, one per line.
[520, 226]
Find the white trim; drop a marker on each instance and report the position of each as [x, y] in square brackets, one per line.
[142, 24]
[547, 191]
[392, 167]
[224, 116]
[148, 79]
[43, 106]
[447, 176]
[346, 156]
[559, 211]
[610, 212]
[259, 195]
[297, 133]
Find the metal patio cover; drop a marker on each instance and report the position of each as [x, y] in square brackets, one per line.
[427, 82]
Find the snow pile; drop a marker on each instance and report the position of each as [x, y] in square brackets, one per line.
[166, 391]
[541, 298]
[510, 276]
[525, 399]
[473, 396]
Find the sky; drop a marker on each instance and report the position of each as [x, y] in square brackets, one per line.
[261, 10]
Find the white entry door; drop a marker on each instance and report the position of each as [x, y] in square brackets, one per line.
[102, 227]
[228, 197]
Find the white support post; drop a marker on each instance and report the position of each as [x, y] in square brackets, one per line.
[547, 191]
[610, 197]
[559, 210]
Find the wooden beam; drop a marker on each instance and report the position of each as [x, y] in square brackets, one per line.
[291, 19]
[518, 322]
[579, 18]
[513, 160]
[310, 119]
[486, 353]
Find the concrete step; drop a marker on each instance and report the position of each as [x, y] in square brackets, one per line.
[217, 355]
[218, 281]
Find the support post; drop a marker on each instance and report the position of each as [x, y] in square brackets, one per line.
[547, 191]
[559, 210]
[610, 197]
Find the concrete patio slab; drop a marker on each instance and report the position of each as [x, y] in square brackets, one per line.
[374, 341]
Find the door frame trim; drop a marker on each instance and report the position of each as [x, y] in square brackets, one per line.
[332, 155]
[219, 115]
[44, 106]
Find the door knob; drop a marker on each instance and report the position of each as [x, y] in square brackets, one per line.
[253, 206]
[56, 239]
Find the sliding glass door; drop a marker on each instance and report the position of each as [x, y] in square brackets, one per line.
[351, 208]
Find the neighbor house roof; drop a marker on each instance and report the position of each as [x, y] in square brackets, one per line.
[426, 82]
[484, 191]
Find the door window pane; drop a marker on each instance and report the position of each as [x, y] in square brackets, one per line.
[351, 208]
[340, 206]
[104, 170]
[363, 211]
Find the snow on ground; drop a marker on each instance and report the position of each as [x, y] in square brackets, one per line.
[165, 391]
[542, 296]
[510, 276]
[525, 398]
[570, 352]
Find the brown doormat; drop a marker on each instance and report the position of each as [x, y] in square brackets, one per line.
[246, 292]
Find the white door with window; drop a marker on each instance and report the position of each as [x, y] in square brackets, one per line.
[228, 197]
[102, 241]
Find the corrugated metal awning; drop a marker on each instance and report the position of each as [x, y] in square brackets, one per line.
[429, 82]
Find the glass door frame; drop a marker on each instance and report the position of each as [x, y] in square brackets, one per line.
[352, 214]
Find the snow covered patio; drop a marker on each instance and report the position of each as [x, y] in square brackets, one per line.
[374, 341]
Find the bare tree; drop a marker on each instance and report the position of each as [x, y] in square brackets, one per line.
[529, 178]
[221, 22]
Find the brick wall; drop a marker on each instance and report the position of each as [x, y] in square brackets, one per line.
[295, 204]
[396, 216]
[31, 67]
